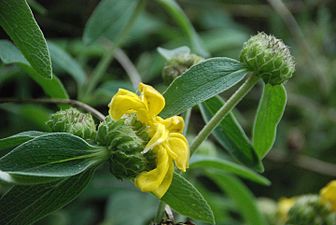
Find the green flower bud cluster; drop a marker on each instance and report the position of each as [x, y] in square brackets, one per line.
[73, 121]
[269, 58]
[179, 64]
[126, 139]
[309, 210]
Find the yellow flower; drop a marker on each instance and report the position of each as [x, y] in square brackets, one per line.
[328, 194]
[284, 205]
[167, 141]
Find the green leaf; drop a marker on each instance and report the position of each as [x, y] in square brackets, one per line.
[62, 59]
[230, 134]
[17, 20]
[201, 82]
[17, 139]
[270, 110]
[24, 205]
[109, 19]
[52, 155]
[25, 180]
[242, 196]
[169, 54]
[9, 54]
[142, 209]
[227, 166]
[185, 199]
[182, 20]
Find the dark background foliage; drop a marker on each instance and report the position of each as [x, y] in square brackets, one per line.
[303, 156]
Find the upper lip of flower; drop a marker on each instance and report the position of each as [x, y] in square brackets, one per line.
[166, 135]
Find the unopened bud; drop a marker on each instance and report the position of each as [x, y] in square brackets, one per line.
[269, 58]
[73, 121]
[178, 61]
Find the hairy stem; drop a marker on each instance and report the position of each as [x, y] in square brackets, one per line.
[222, 112]
[71, 102]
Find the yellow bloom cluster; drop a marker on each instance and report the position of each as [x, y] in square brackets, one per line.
[284, 205]
[166, 141]
[328, 194]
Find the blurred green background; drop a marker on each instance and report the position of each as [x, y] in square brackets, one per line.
[302, 160]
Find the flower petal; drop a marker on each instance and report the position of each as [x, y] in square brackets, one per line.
[151, 180]
[173, 124]
[153, 100]
[160, 134]
[164, 186]
[328, 194]
[178, 149]
[125, 101]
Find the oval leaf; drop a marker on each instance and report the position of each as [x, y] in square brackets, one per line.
[270, 110]
[242, 196]
[17, 139]
[25, 180]
[185, 199]
[9, 54]
[52, 155]
[18, 21]
[109, 19]
[227, 166]
[201, 82]
[142, 209]
[24, 205]
[231, 135]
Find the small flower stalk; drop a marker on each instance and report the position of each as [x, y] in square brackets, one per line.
[268, 58]
[73, 121]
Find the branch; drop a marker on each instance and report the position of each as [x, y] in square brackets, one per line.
[128, 66]
[71, 102]
[305, 162]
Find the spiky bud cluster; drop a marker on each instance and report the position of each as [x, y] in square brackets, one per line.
[126, 139]
[178, 63]
[269, 58]
[309, 210]
[73, 121]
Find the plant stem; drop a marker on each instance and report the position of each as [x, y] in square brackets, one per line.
[186, 118]
[109, 55]
[159, 213]
[304, 162]
[99, 71]
[222, 112]
[71, 102]
[129, 67]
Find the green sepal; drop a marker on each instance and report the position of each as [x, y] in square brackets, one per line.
[126, 139]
